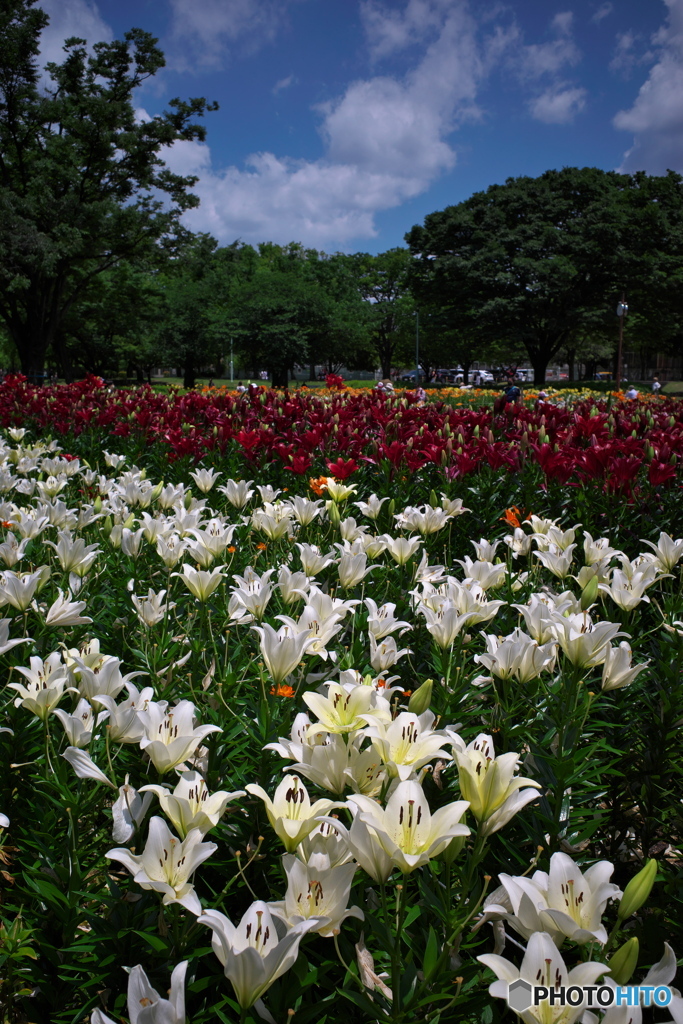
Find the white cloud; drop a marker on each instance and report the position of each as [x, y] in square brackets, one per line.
[656, 116]
[559, 104]
[389, 30]
[602, 12]
[70, 18]
[203, 31]
[284, 83]
[385, 141]
[538, 59]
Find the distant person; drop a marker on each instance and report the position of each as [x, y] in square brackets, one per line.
[388, 386]
[240, 387]
[512, 393]
[656, 386]
[632, 393]
[420, 395]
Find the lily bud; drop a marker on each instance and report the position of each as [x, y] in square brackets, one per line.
[590, 593]
[130, 522]
[391, 507]
[421, 698]
[433, 500]
[637, 890]
[624, 962]
[157, 491]
[97, 504]
[188, 499]
[107, 526]
[333, 513]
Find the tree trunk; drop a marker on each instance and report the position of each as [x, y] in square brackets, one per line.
[571, 364]
[465, 363]
[540, 365]
[189, 372]
[280, 376]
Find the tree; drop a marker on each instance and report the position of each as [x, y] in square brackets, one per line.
[80, 174]
[190, 289]
[383, 281]
[288, 306]
[542, 261]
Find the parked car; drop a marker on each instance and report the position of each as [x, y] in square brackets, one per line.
[409, 378]
[480, 377]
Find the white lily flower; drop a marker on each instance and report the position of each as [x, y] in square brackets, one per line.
[251, 954]
[268, 493]
[350, 530]
[85, 767]
[200, 583]
[557, 560]
[617, 671]
[444, 623]
[45, 688]
[5, 643]
[170, 733]
[485, 550]
[346, 708]
[453, 505]
[18, 589]
[407, 830]
[313, 561]
[78, 727]
[124, 724]
[597, 551]
[275, 526]
[128, 811]
[565, 903]
[282, 649]
[65, 612]
[407, 743]
[333, 764]
[152, 609]
[304, 510]
[315, 893]
[293, 586]
[538, 618]
[488, 576]
[662, 973]
[382, 620]
[372, 507]
[166, 864]
[352, 568]
[171, 548]
[584, 642]
[628, 591]
[290, 812]
[424, 520]
[401, 549]
[362, 842]
[205, 479]
[11, 550]
[74, 555]
[237, 492]
[517, 656]
[339, 491]
[668, 552]
[519, 542]
[542, 965]
[489, 784]
[190, 805]
[385, 653]
[146, 1006]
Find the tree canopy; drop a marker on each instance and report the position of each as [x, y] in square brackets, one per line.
[80, 174]
[539, 262]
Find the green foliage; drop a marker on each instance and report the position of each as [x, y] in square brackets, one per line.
[80, 174]
[541, 262]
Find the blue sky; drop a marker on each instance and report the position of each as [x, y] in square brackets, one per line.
[344, 122]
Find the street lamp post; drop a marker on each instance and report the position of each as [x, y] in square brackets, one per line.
[622, 310]
[417, 348]
[231, 373]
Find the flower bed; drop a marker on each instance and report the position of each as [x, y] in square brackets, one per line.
[353, 748]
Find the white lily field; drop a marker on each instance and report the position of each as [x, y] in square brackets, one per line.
[289, 747]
